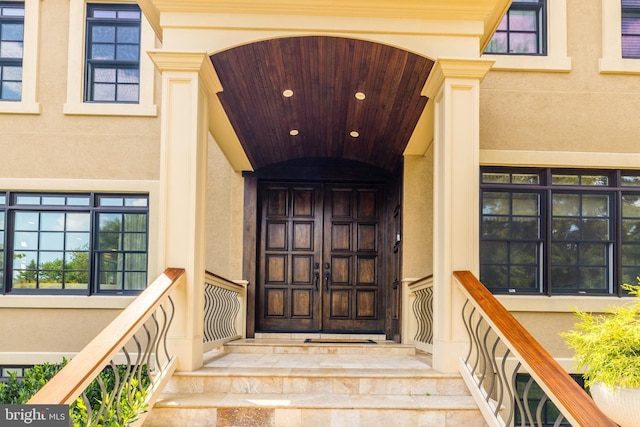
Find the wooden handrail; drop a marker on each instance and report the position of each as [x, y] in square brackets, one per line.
[72, 380]
[541, 365]
[224, 280]
[422, 279]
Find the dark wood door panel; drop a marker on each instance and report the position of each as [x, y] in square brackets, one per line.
[320, 266]
[353, 287]
[290, 232]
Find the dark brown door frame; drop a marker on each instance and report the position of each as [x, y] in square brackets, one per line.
[325, 170]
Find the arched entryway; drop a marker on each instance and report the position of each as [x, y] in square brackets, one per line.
[322, 97]
[195, 108]
[324, 121]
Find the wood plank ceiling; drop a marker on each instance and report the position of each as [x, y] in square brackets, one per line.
[299, 97]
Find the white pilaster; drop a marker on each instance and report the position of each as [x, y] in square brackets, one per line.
[454, 88]
[187, 81]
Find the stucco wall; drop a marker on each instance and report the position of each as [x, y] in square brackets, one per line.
[83, 152]
[55, 145]
[580, 110]
[546, 328]
[417, 216]
[41, 334]
[225, 203]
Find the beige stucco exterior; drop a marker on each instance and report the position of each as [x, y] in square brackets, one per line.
[579, 117]
[577, 107]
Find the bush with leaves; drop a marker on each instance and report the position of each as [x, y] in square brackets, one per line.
[608, 346]
[18, 391]
[132, 399]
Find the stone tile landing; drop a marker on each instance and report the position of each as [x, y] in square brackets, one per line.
[283, 382]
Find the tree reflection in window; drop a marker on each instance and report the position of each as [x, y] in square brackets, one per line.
[563, 232]
[73, 242]
[51, 250]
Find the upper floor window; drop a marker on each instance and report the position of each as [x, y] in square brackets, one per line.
[522, 31]
[113, 53]
[559, 231]
[11, 50]
[631, 28]
[73, 243]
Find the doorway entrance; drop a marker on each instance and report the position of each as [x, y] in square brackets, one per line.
[320, 257]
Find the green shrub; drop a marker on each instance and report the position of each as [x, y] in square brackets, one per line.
[132, 399]
[18, 391]
[608, 346]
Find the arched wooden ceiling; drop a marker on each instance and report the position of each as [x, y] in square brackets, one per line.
[317, 117]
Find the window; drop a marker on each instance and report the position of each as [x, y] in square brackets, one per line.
[77, 81]
[522, 31]
[11, 48]
[554, 231]
[113, 53]
[631, 28]
[73, 243]
[620, 37]
[535, 407]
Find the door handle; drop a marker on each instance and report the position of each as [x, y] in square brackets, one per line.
[327, 275]
[316, 277]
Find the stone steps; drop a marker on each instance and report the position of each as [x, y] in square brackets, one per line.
[274, 386]
[280, 346]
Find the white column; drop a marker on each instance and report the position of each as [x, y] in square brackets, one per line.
[187, 81]
[454, 88]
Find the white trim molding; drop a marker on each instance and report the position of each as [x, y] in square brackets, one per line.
[75, 104]
[612, 60]
[571, 159]
[29, 97]
[556, 59]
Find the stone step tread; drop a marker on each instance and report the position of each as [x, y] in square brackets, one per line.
[292, 343]
[318, 372]
[324, 349]
[315, 401]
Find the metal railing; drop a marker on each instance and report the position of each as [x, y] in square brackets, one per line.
[122, 371]
[500, 349]
[224, 310]
[417, 314]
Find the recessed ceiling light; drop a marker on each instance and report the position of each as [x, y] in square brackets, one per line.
[287, 93]
[360, 95]
[293, 132]
[354, 134]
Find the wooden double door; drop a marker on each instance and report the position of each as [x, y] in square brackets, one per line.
[320, 260]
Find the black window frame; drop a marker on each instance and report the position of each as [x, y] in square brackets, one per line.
[93, 207]
[546, 414]
[630, 10]
[541, 10]
[92, 64]
[614, 188]
[11, 61]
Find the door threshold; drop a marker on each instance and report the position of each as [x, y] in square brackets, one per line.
[320, 336]
[338, 341]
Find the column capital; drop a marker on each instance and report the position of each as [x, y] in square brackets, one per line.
[195, 62]
[448, 68]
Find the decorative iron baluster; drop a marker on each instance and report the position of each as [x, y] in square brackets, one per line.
[423, 310]
[132, 376]
[487, 361]
[221, 306]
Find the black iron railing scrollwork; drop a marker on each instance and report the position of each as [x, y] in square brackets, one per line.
[495, 371]
[417, 313]
[514, 380]
[119, 375]
[223, 310]
[221, 306]
[423, 311]
[125, 383]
